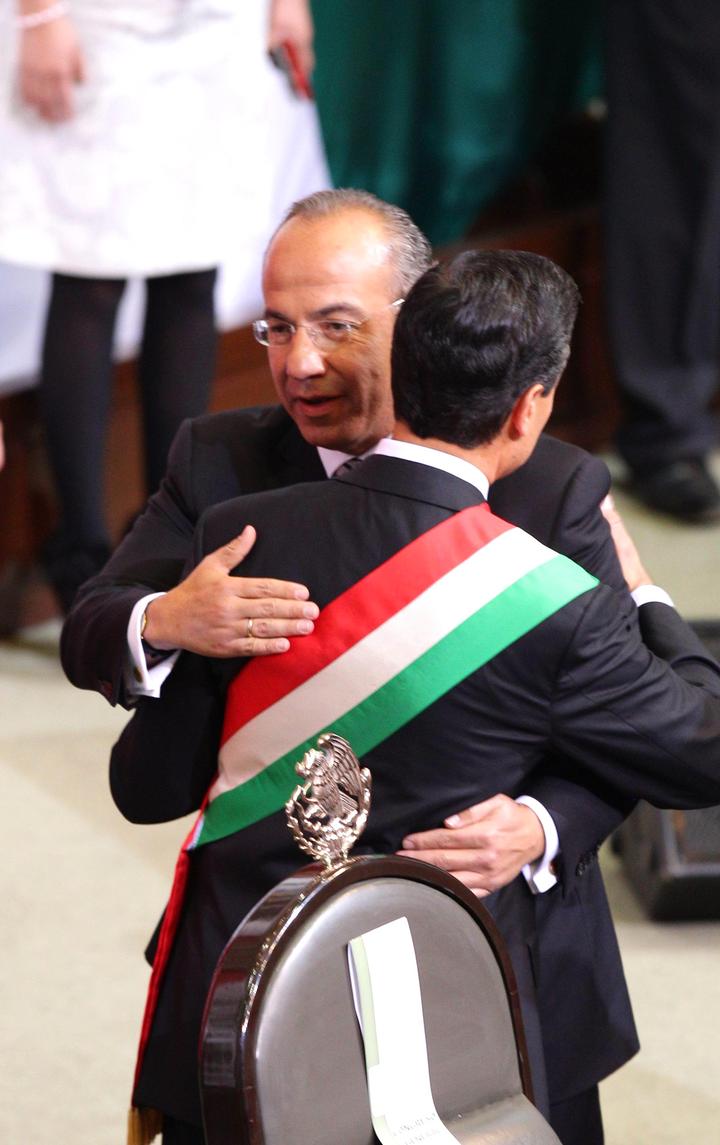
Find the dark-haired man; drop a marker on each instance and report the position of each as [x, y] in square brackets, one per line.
[528, 653]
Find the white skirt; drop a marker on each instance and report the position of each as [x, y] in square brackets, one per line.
[165, 150]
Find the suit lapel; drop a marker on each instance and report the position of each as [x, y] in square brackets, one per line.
[293, 460]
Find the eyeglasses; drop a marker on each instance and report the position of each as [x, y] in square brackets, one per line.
[325, 333]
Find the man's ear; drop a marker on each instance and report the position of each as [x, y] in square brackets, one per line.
[522, 416]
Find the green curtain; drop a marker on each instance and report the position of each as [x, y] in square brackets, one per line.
[436, 104]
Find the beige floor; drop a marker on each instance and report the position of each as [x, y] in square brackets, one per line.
[670, 1093]
[81, 890]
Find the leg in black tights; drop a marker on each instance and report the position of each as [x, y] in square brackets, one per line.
[74, 398]
[177, 360]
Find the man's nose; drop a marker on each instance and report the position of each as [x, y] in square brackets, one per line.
[304, 360]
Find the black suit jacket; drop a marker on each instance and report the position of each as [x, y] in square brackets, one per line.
[583, 682]
[555, 496]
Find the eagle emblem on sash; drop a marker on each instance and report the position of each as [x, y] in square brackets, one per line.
[328, 811]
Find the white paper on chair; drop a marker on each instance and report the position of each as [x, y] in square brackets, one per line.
[386, 992]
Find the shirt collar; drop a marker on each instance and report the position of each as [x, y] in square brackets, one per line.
[332, 459]
[437, 458]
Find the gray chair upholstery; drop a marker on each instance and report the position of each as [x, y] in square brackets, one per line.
[282, 1058]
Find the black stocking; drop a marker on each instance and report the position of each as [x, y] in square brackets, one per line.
[74, 396]
[177, 360]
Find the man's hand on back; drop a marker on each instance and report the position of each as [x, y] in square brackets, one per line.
[633, 569]
[485, 846]
[209, 611]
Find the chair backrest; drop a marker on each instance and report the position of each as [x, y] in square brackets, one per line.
[282, 1058]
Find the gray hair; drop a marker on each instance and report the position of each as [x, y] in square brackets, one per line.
[410, 251]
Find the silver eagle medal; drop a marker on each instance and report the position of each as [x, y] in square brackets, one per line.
[328, 812]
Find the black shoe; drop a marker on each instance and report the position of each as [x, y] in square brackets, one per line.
[682, 489]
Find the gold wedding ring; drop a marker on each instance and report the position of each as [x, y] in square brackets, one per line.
[249, 626]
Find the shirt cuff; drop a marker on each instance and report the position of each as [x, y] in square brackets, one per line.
[539, 875]
[141, 678]
[651, 594]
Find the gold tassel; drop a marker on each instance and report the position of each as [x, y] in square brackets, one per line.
[143, 1125]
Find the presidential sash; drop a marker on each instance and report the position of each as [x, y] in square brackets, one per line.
[381, 652]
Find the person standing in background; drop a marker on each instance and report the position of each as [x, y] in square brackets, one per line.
[121, 134]
[663, 245]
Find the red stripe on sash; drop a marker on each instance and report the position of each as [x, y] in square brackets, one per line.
[359, 610]
[166, 938]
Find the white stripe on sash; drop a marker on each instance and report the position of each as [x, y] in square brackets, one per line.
[378, 657]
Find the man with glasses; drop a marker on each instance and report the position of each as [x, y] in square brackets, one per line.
[326, 333]
[453, 650]
[334, 274]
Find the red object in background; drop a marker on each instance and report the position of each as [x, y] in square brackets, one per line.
[286, 58]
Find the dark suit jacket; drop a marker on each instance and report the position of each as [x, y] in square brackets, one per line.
[555, 496]
[582, 682]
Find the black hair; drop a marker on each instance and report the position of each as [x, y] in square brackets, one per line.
[473, 334]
